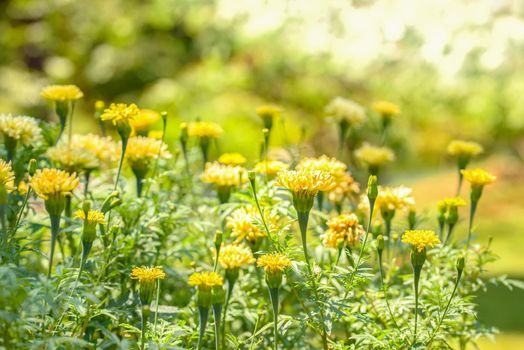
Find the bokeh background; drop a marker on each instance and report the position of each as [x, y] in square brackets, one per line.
[455, 67]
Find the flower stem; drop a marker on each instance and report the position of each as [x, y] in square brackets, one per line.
[217, 312]
[273, 294]
[472, 211]
[416, 272]
[120, 163]
[381, 268]
[203, 313]
[55, 230]
[230, 286]
[303, 218]
[145, 316]
[156, 304]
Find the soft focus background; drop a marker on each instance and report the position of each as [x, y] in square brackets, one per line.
[455, 67]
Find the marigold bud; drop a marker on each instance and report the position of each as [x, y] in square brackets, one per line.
[31, 168]
[372, 188]
[461, 263]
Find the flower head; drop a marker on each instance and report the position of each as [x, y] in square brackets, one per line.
[120, 113]
[270, 167]
[142, 151]
[394, 198]
[20, 128]
[420, 239]
[245, 224]
[451, 202]
[336, 168]
[234, 256]
[93, 216]
[343, 228]
[232, 159]
[223, 175]
[275, 262]
[386, 108]
[205, 280]
[148, 273]
[268, 113]
[478, 177]
[104, 149]
[467, 149]
[305, 183]
[7, 176]
[62, 93]
[373, 156]
[346, 187]
[144, 120]
[72, 159]
[204, 129]
[49, 183]
[345, 110]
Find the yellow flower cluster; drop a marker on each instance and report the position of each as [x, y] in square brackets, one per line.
[346, 187]
[420, 239]
[374, 156]
[7, 176]
[245, 223]
[342, 109]
[270, 111]
[468, 149]
[144, 120]
[49, 183]
[20, 128]
[141, 151]
[233, 256]
[205, 280]
[105, 150]
[336, 168]
[224, 175]
[120, 113]
[451, 202]
[93, 216]
[270, 167]
[478, 177]
[204, 129]
[303, 183]
[148, 274]
[394, 198]
[343, 228]
[386, 108]
[62, 93]
[273, 263]
[232, 159]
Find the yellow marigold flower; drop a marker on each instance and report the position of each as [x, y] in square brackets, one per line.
[270, 167]
[23, 187]
[478, 177]
[62, 93]
[275, 262]
[420, 239]
[93, 216]
[386, 108]
[7, 176]
[50, 183]
[394, 198]
[342, 228]
[148, 274]
[204, 129]
[336, 168]
[345, 110]
[72, 159]
[245, 223]
[120, 113]
[232, 159]
[373, 156]
[304, 183]
[20, 128]
[269, 111]
[155, 134]
[105, 149]
[206, 280]
[142, 151]
[145, 119]
[234, 256]
[346, 187]
[459, 148]
[451, 202]
[223, 175]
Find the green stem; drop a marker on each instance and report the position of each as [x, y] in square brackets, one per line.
[416, 273]
[459, 184]
[145, 316]
[381, 268]
[156, 304]
[203, 313]
[55, 230]
[361, 252]
[457, 281]
[303, 218]
[121, 161]
[217, 311]
[448, 236]
[472, 211]
[273, 295]
[230, 286]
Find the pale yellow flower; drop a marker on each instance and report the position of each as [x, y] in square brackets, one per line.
[451, 202]
[343, 228]
[478, 177]
[205, 280]
[336, 168]
[232, 159]
[93, 216]
[304, 183]
[120, 113]
[234, 256]
[274, 263]
[459, 148]
[20, 128]
[223, 175]
[142, 151]
[148, 274]
[144, 120]
[72, 159]
[270, 111]
[62, 93]
[386, 108]
[394, 198]
[7, 176]
[204, 129]
[270, 167]
[50, 183]
[105, 149]
[245, 223]
[346, 187]
[345, 110]
[373, 156]
[420, 239]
